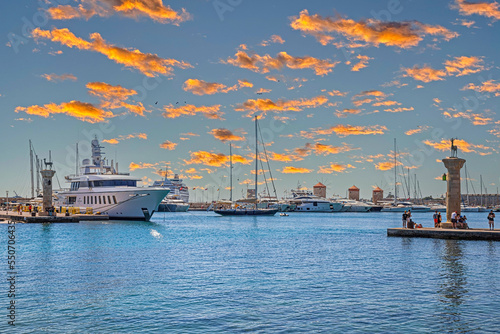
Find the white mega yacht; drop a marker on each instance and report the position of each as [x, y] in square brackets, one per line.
[104, 190]
[314, 204]
[178, 198]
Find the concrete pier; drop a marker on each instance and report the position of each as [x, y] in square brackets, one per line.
[26, 217]
[443, 233]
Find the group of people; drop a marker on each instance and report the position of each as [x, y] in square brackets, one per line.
[408, 222]
[459, 221]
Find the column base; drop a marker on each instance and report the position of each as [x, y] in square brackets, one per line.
[446, 225]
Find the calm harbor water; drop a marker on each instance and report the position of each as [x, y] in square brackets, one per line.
[197, 272]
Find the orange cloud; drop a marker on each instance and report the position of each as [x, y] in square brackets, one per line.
[367, 32]
[489, 86]
[458, 66]
[245, 83]
[265, 105]
[149, 64]
[263, 90]
[344, 112]
[273, 39]
[386, 103]
[337, 93]
[424, 73]
[295, 170]
[264, 64]
[476, 119]
[114, 141]
[214, 159]
[373, 92]
[417, 130]
[464, 65]
[55, 77]
[488, 9]
[329, 149]
[225, 135]
[444, 145]
[348, 130]
[200, 87]
[363, 62]
[211, 112]
[168, 145]
[386, 165]
[334, 168]
[86, 112]
[399, 109]
[113, 97]
[133, 166]
[153, 9]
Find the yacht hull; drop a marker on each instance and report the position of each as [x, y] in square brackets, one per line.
[122, 204]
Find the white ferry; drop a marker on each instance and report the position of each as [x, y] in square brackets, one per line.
[106, 191]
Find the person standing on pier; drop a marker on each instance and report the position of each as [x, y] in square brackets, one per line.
[491, 220]
[404, 219]
[435, 216]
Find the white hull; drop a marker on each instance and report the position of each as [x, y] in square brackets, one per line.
[359, 208]
[406, 208]
[318, 207]
[132, 203]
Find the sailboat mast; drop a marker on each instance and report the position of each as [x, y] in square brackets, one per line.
[31, 169]
[481, 184]
[230, 173]
[256, 157]
[395, 179]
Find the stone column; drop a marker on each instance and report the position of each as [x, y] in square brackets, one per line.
[453, 192]
[47, 175]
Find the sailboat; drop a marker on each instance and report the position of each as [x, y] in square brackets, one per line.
[248, 207]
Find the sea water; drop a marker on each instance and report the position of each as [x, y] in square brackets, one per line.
[196, 272]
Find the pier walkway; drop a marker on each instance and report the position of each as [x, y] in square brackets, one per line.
[443, 233]
[26, 217]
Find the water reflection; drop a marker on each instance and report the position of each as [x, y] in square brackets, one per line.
[453, 292]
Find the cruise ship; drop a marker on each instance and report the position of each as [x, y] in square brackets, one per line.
[178, 198]
[101, 188]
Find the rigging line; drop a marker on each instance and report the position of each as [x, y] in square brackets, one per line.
[265, 179]
[268, 166]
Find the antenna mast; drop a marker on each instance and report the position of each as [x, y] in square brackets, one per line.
[230, 173]
[31, 169]
[256, 158]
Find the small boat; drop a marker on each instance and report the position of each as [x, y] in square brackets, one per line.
[284, 214]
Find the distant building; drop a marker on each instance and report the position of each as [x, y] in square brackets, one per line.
[377, 195]
[319, 190]
[354, 193]
[250, 193]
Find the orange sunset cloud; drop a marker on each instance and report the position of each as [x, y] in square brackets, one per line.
[295, 170]
[114, 141]
[214, 159]
[225, 135]
[444, 145]
[334, 168]
[148, 64]
[265, 105]
[55, 77]
[488, 9]
[264, 64]
[373, 32]
[211, 112]
[153, 9]
[200, 87]
[168, 145]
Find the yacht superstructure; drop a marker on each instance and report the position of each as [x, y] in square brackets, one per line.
[101, 188]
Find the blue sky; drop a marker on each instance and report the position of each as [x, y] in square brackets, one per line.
[333, 82]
